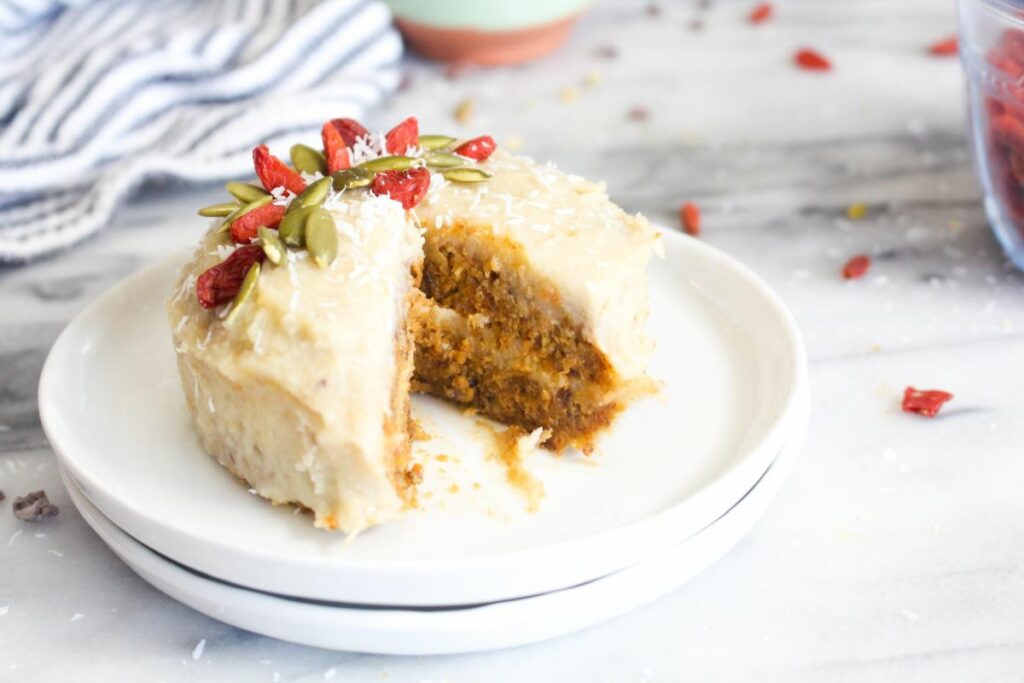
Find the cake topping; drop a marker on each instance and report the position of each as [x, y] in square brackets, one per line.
[288, 211]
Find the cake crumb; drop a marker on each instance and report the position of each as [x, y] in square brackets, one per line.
[509, 446]
[34, 507]
[569, 94]
[464, 110]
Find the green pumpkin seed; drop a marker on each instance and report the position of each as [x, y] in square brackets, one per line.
[321, 237]
[435, 141]
[273, 247]
[244, 192]
[466, 174]
[394, 163]
[351, 178]
[443, 159]
[308, 160]
[314, 195]
[292, 229]
[244, 293]
[219, 210]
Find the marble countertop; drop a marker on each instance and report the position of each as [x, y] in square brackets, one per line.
[896, 549]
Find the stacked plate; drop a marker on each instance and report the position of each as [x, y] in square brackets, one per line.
[480, 564]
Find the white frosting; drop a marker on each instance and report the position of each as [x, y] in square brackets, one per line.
[590, 250]
[316, 347]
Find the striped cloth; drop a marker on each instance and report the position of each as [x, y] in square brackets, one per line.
[98, 96]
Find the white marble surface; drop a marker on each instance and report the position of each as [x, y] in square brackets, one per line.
[896, 550]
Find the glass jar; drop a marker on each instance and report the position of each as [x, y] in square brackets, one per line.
[992, 51]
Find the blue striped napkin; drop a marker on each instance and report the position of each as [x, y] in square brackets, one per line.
[97, 96]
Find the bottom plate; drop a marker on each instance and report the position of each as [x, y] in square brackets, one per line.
[417, 631]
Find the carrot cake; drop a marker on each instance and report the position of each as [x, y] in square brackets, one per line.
[384, 263]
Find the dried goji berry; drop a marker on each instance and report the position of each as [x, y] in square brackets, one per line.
[407, 187]
[478, 148]
[944, 48]
[220, 284]
[925, 402]
[811, 60]
[275, 173]
[403, 136]
[856, 267]
[350, 129]
[243, 229]
[689, 217]
[761, 13]
[335, 149]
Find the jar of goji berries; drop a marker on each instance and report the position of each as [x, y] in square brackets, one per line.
[992, 51]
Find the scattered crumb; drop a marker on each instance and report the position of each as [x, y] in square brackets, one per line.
[653, 10]
[465, 110]
[606, 52]
[414, 475]
[417, 432]
[569, 94]
[34, 506]
[455, 69]
[510, 445]
[330, 673]
[593, 79]
[2, 496]
[441, 457]
[197, 652]
[638, 113]
[856, 211]
[76, 616]
[454, 488]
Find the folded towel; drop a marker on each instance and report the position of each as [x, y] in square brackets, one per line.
[98, 96]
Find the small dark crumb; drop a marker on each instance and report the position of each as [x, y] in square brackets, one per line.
[414, 475]
[453, 70]
[704, 4]
[654, 10]
[607, 52]
[405, 82]
[639, 113]
[34, 507]
[696, 25]
[2, 496]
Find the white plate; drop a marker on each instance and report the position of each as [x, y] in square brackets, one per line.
[446, 631]
[728, 352]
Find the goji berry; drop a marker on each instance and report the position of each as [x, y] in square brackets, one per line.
[403, 136]
[407, 187]
[243, 229]
[689, 218]
[478, 148]
[944, 48]
[856, 267]
[812, 60]
[350, 129]
[761, 13]
[274, 173]
[335, 149]
[925, 402]
[220, 284]
[1012, 45]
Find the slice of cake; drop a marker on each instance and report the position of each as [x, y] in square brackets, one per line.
[302, 388]
[297, 318]
[538, 296]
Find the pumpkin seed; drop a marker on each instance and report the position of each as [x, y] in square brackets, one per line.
[292, 229]
[351, 178]
[244, 293]
[219, 210]
[443, 159]
[244, 192]
[273, 247]
[307, 160]
[321, 237]
[314, 195]
[429, 142]
[393, 163]
[465, 174]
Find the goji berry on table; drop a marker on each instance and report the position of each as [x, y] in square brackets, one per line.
[925, 402]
